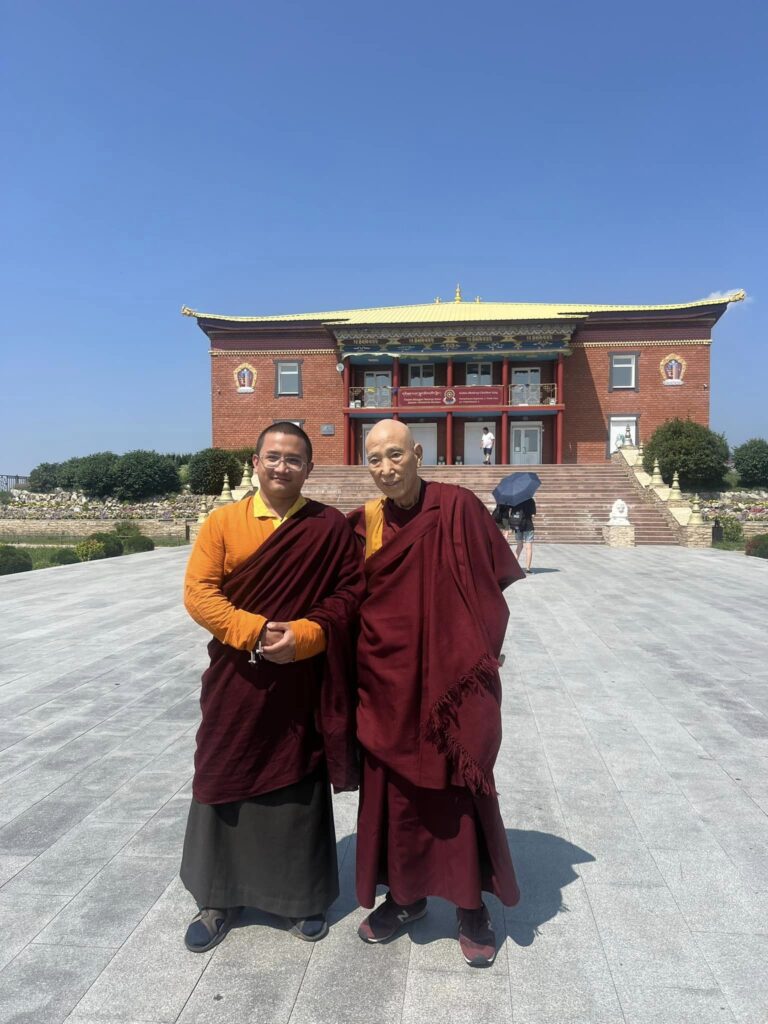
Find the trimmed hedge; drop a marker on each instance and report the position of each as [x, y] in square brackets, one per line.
[698, 454]
[134, 544]
[751, 462]
[64, 556]
[90, 550]
[14, 560]
[758, 546]
[113, 546]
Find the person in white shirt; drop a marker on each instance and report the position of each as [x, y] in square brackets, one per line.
[486, 442]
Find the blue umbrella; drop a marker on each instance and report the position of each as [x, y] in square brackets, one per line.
[516, 488]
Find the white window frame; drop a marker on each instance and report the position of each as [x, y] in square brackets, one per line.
[480, 373]
[617, 425]
[629, 359]
[416, 375]
[288, 368]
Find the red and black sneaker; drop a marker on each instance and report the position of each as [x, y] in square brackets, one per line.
[389, 918]
[476, 936]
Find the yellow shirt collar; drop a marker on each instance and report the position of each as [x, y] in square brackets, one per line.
[261, 511]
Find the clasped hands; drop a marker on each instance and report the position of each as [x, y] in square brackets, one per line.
[278, 643]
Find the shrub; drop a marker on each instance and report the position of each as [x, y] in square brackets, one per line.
[95, 474]
[5, 497]
[112, 544]
[133, 544]
[64, 556]
[207, 469]
[66, 474]
[127, 528]
[184, 474]
[751, 462]
[14, 560]
[143, 474]
[44, 478]
[758, 546]
[697, 453]
[733, 531]
[90, 550]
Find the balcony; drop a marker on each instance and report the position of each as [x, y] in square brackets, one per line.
[461, 396]
[532, 394]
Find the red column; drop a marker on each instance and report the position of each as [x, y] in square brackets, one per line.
[345, 402]
[352, 445]
[560, 401]
[449, 373]
[449, 439]
[505, 438]
[394, 401]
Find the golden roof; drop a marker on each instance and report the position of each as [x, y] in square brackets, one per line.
[458, 311]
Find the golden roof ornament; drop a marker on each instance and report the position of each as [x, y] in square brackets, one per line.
[457, 296]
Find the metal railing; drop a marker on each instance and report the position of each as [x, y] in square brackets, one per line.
[370, 398]
[533, 394]
[11, 481]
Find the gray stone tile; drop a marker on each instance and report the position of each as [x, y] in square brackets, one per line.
[684, 1005]
[739, 967]
[22, 918]
[44, 983]
[10, 865]
[443, 997]
[100, 921]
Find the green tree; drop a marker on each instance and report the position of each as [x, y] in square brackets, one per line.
[751, 462]
[44, 478]
[67, 473]
[14, 560]
[95, 474]
[207, 469]
[90, 550]
[144, 474]
[698, 454]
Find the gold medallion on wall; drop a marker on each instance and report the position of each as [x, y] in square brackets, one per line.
[672, 369]
[245, 378]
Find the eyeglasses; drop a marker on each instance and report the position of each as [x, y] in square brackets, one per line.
[292, 462]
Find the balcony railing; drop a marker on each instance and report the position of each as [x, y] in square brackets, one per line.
[370, 398]
[463, 396]
[533, 394]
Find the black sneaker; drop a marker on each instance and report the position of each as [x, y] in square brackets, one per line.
[311, 929]
[389, 918]
[476, 937]
[208, 927]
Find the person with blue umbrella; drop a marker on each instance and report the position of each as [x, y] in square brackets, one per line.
[515, 509]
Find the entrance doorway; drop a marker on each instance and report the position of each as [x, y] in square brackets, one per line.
[378, 388]
[526, 386]
[473, 452]
[525, 444]
[424, 434]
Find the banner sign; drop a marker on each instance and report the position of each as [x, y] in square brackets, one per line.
[465, 396]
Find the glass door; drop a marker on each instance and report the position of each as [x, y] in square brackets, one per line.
[526, 444]
[377, 388]
[526, 386]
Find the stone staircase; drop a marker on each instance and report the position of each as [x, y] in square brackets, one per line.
[573, 502]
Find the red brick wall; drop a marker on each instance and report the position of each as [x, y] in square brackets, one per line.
[589, 403]
[239, 419]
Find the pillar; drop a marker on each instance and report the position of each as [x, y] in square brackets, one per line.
[449, 373]
[395, 399]
[352, 445]
[345, 380]
[505, 438]
[449, 439]
[559, 374]
[559, 437]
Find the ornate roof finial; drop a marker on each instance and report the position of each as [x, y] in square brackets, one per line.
[457, 297]
[478, 299]
[438, 300]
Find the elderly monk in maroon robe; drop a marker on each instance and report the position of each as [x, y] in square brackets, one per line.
[277, 580]
[429, 718]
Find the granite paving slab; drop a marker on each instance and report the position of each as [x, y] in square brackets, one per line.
[633, 781]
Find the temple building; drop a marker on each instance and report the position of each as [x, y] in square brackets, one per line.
[554, 383]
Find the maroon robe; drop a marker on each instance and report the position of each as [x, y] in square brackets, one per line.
[429, 716]
[264, 725]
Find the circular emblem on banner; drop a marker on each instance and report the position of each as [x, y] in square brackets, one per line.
[449, 398]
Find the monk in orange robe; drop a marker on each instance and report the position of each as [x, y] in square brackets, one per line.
[431, 629]
[277, 580]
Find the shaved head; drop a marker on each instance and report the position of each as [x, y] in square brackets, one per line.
[389, 431]
[393, 459]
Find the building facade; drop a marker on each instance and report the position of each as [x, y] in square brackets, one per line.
[554, 383]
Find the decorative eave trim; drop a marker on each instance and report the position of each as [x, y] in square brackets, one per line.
[254, 353]
[662, 343]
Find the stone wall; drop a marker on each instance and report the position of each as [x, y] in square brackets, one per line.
[52, 529]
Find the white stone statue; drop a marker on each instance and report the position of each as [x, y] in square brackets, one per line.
[619, 513]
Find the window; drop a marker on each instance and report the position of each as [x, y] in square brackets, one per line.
[479, 373]
[288, 378]
[617, 432]
[623, 371]
[421, 375]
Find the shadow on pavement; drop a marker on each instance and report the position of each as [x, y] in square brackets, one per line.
[544, 868]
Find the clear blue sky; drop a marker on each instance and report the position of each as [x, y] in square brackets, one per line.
[252, 157]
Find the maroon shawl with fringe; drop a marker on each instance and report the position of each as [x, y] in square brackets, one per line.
[431, 630]
[264, 725]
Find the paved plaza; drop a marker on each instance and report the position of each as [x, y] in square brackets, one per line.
[633, 782]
